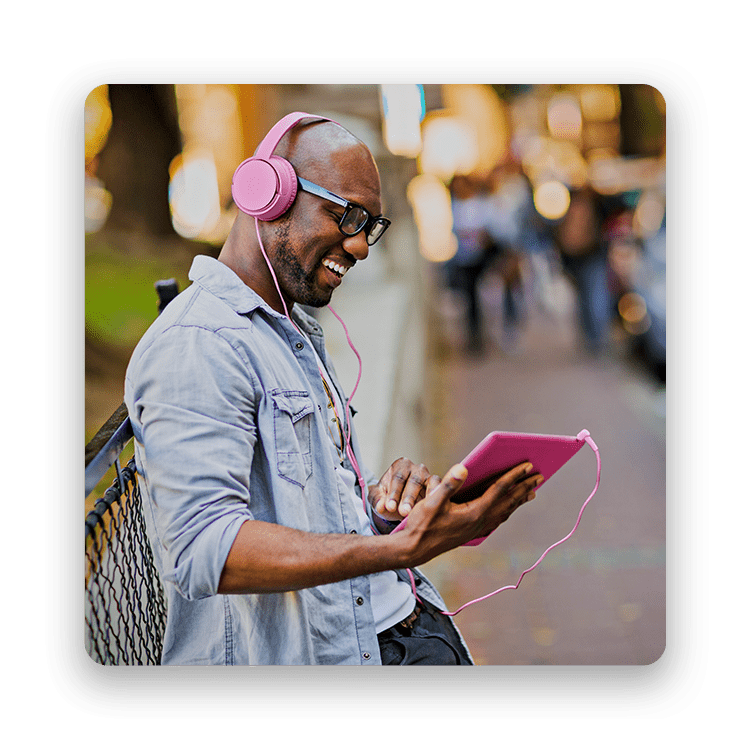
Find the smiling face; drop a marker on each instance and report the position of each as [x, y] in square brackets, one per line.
[309, 254]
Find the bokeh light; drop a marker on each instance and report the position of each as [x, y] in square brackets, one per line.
[450, 146]
[649, 214]
[564, 117]
[97, 204]
[403, 111]
[97, 120]
[634, 313]
[201, 177]
[194, 194]
[600, 102]
[431, 203]
[479, 107]
[552, 199]
[97, 200]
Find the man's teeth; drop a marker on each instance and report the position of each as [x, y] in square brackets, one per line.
[335, 267]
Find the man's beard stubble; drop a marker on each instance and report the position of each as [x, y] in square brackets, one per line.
[296, 283]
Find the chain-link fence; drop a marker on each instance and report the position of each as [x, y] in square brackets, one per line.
[125, 605]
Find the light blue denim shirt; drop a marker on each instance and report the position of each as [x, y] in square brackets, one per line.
[228, 413]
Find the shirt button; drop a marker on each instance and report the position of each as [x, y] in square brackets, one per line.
[353, 531]
[299, 345]
[360, 601]
[366, 655]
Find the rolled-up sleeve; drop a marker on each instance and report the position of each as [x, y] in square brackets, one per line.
[193, 413]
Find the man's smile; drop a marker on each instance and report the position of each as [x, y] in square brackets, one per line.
[336, 268]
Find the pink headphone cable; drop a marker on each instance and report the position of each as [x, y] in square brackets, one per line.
[550, 548]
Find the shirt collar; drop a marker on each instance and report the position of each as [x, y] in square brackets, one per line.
[221, 281]
[217, 278]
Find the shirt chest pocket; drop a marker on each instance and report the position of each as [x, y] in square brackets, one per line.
[292, 428]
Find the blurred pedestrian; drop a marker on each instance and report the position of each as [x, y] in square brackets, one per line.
[582, 244]
[473, 254]
[507, 205]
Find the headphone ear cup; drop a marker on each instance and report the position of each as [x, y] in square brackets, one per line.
[286, 191]
[264, 188]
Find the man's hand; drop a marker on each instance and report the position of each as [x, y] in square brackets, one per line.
[401, 488]
[437, 525]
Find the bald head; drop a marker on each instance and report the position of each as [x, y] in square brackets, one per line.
[313, 143]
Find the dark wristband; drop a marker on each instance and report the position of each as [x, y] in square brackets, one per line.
[383, 524]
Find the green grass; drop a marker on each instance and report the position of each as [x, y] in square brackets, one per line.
[121, 301]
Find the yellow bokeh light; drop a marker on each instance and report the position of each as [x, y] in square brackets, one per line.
[211, 129]
[632, 307]
[600, 103]
[431, 203]
[485, 114]
[449, 146]
[194, 194]
[649, 214]
[97, 120]
[552, 199]
[634, 313]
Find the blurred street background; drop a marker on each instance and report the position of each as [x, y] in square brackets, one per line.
[521, 287]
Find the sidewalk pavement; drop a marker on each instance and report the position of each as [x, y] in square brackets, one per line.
[599, 599]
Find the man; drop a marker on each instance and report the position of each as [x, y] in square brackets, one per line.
[248, 463]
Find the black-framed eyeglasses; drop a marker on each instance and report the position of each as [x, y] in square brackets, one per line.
[355, 218]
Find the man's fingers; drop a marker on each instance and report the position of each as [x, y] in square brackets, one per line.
[514, 475]
[521, 493]
[416, 487]
[395, 489]
[405, 486]
[432, 483]
[447, 486]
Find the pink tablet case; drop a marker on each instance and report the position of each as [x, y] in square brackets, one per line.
[501, 451]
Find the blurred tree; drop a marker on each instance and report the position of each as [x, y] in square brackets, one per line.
[509, 91]
[642, 120]
[134, 165]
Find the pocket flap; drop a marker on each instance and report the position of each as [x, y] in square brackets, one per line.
[296, 404]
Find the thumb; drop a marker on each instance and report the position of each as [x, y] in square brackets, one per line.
[449, 485]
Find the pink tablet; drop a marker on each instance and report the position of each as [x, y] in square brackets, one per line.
[501, 451]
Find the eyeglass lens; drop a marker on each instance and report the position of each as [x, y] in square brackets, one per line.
[376, 232]
[356, 217]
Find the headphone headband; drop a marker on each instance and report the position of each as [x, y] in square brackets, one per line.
[278, 131]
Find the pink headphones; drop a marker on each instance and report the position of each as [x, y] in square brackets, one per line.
[265, 186]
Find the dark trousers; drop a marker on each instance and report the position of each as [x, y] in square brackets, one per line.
[431, 639]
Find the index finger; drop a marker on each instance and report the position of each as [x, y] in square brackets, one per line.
[405, 485]
[448, 486]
